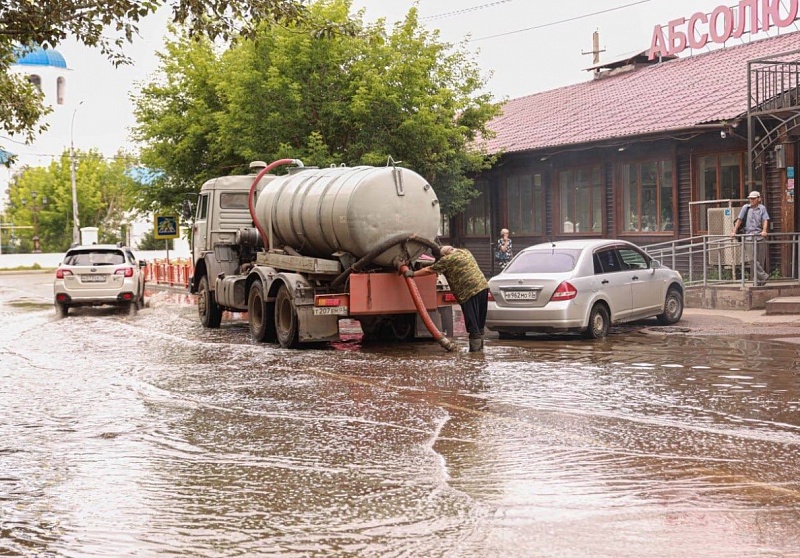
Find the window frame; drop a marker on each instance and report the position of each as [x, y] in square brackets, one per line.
[696, 190]
[202, 207]
[61, 90]
[472, 211]
[600, 186]
[639, 163]
[535, 213]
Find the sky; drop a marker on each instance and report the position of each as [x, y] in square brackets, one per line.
[522, 46]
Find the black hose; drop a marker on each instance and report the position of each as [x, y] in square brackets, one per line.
[380, 249]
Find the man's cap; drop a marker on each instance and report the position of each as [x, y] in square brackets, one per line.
[754, 194]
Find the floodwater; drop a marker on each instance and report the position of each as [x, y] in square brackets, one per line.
[150, 436]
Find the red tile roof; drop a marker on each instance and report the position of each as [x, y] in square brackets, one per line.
[670, 96]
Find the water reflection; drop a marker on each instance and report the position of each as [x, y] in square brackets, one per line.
[149, 435]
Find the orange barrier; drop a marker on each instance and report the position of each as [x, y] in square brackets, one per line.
[176, 273]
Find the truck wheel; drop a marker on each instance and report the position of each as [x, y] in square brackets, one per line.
[285, 319]
[259, 315]
[207, 307]
[402, 327]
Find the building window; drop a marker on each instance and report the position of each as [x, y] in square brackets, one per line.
[476, 216]
[647, 203]
[525, 204]
[36, 80]
[581, 192]
[716, 177]
[61, 86]
[444, 226]
[719, 177]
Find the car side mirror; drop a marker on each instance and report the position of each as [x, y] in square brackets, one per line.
[654, 264]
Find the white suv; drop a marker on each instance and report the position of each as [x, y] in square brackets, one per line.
[100, 274]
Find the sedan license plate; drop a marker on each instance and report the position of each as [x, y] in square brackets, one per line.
[520, 295]
[93, 278]
[331, 310]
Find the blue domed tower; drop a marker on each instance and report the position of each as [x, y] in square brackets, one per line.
[45, 68]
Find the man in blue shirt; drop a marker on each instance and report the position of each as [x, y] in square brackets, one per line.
[756, 221]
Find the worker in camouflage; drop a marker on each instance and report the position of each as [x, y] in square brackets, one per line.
[468, 284]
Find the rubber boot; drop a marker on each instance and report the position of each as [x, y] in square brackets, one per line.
[475, 344]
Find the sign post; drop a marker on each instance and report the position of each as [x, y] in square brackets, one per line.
[166, 228]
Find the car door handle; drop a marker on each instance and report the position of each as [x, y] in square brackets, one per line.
[604, 282]
[635, 278]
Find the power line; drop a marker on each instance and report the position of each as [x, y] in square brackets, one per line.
[465, 10]
[559, 22]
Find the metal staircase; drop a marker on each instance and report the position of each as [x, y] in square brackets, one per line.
[773, 107]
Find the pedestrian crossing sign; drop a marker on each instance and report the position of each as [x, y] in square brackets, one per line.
[166, 227]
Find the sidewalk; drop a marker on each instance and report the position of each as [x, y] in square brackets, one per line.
[699, 317]
[703, 321]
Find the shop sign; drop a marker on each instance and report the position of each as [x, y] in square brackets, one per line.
[722, 24]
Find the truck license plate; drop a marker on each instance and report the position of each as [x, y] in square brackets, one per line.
[331, 310]
[94, 278]
[519, 295]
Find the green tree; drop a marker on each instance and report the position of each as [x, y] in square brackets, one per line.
[109, 25]
[348, 98]
[150, 242]
[105, 194]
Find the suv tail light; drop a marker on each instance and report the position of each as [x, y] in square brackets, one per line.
[60, 273]
[565, 291]
[491, 296]
[126, 271]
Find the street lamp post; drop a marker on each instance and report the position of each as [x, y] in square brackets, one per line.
[75, 223]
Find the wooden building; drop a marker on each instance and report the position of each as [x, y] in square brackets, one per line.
[643, 150]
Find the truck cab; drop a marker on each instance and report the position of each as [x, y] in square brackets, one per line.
[222, 212]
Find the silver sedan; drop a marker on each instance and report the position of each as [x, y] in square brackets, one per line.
[582, 286]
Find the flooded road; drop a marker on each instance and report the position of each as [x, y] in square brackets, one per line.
[150, 436]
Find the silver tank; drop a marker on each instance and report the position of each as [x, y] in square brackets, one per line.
[351, 209]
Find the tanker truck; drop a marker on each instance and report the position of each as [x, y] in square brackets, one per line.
[301, 251]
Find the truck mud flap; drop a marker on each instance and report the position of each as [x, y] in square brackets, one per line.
[316, 329]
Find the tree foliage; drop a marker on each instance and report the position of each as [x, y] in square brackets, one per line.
[148, 241]
[360, 97]
[105, 194]
[109, 25]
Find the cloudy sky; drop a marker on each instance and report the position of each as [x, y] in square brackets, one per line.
[526, 46]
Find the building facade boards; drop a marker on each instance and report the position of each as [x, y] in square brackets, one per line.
[642, 151]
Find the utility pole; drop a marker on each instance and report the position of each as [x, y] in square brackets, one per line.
[595, 52]
[76, 238]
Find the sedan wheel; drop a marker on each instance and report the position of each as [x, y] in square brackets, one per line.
[598, 322]
[673, 308]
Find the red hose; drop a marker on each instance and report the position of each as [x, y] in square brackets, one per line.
[438, 336]
[250, 205]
